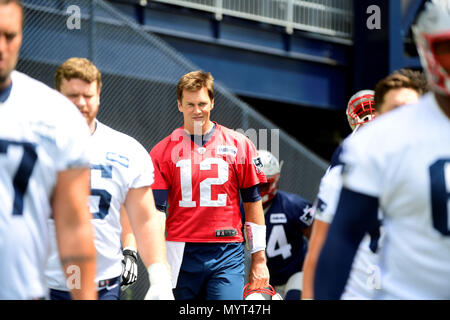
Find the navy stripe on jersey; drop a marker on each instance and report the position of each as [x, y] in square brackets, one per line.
[335, 158]
[250, 194]
[161, 199]
[203, 138]
[345, 234]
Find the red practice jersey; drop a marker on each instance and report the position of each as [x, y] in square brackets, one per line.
[204, 182]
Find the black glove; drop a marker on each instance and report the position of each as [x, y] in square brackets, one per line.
[129, 268]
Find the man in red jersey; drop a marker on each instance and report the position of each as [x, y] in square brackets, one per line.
[201, 169]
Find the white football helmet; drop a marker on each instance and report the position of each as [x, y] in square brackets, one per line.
[268, 293]
[272, 169]
[361, 108]
[432, 26]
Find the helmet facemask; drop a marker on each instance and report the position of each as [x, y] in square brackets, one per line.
[361, 108]
[433, 27]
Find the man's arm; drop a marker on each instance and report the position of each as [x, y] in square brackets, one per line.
[146, 224]
[259, 273]
[74, 231]
[356, 214]
[148, 227]
[128, 239]
[129, 251]
[318, 236]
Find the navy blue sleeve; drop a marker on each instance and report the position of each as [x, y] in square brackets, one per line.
[335, 158]
[250, 194]
[355, 215]
[161, 199]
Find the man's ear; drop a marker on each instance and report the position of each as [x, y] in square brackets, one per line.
[179, 106]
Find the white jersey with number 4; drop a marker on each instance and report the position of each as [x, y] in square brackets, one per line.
[118, 163]
[41, 133]
[403, 159]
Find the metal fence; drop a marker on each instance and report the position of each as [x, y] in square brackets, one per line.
[139, 74]
[330, 17]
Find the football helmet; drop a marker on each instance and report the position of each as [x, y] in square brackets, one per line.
[272, 169]
[433, 26]
[361, 108]
[267, 293]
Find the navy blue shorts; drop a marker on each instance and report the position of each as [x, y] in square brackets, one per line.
[211, 271]
[109, 292]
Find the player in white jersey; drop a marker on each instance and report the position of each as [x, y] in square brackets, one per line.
[121, 174]
[401, 164]
[360, 110]
[399, 88]
[43, 171]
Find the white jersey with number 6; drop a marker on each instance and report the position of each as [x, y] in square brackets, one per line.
[118, 163]
[41, 133]
[403, 159]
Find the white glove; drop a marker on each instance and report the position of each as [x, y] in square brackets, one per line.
[160, 283]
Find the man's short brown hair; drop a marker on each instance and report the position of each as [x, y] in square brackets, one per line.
[17, 2]
[78, 68]
[194, 81]
[403, 78]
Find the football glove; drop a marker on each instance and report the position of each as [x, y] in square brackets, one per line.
[160, 283]
[129, 268]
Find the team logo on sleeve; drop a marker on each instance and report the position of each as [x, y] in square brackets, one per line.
[319, 207]
[115, 157]
[258, 164]
[307, 216]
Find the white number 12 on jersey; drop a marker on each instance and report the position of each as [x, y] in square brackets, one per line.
[205, 186]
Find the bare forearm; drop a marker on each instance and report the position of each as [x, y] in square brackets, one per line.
[318, 236]
[128, 239]
[148, 226]
[78, 260]
[151, 242]
[74, 231]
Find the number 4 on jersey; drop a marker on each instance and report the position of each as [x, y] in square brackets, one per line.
[278, 243]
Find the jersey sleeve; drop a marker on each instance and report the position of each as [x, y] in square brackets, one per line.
[161, 182]
[249, 165]
[72, 136]
[362, 164]
[143, 173]
[328, 195]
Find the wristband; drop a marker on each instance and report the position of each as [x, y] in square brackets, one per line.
[256, 236]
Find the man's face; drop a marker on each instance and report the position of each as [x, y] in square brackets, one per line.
[196, 107]
[397, 97]
[10, 40]
[85, 95]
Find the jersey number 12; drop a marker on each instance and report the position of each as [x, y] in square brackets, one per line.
[205, 186]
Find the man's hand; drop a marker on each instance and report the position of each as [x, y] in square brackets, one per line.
[259, 273]
[129, 268]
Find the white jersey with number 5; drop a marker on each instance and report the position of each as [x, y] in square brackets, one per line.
[41, 133]
[403, 159]
[118, 163]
